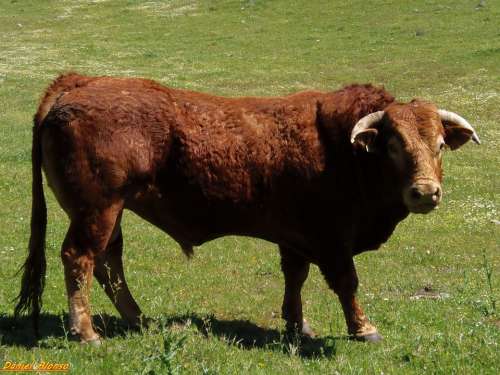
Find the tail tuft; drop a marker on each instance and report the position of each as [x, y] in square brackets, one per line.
[187, 249]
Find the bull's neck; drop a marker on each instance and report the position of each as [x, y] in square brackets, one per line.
[376, 193]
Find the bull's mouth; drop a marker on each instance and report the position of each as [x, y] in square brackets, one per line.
[423, 196]
[422, 208]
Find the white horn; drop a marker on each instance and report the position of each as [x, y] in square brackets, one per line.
[365, 123]
[460, 121]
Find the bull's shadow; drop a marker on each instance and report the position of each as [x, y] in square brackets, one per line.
[247, 335]
[241, 333]
[19, 331]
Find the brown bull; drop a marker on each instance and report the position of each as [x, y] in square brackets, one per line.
[325, 176]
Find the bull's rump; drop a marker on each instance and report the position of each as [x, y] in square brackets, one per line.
[98, 140]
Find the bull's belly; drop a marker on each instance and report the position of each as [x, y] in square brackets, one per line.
[191, 220]
[192, 224]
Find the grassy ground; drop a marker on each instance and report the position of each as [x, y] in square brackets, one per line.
[219, 313]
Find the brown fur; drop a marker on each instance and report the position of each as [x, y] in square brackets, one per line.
[200, 166]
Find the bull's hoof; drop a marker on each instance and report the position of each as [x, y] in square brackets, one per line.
[94, 342]
[293, 331]
[90, 338]
[307, 330]
[371, 337]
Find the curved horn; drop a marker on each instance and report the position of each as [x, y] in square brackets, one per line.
[365, 123]
[460, 121]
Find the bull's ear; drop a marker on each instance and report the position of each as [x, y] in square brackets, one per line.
[365, 140]
[455, 136]
[457, 131]
[364, 132]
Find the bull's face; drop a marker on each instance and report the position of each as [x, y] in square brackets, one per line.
[410, 139]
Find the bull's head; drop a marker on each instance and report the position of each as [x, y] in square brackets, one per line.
[411, 138]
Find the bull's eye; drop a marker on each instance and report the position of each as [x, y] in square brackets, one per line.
[392, 148]
[395, 152]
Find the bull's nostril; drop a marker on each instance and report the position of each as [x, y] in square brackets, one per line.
[437, 194]
[416, 193]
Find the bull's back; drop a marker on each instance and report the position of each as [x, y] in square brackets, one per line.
[114, 134]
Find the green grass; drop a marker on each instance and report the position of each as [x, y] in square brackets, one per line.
[219, 313]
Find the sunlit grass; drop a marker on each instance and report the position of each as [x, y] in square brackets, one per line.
[226, 301]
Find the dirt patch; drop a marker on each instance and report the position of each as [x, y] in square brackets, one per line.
[428, 292]
[495, 322]
[170, 9]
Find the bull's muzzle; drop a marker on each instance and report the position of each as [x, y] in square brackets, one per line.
[423, 196]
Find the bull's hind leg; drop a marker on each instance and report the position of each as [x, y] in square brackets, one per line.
[88, 235]
[342, 278]
[109, 273]
[295, 270]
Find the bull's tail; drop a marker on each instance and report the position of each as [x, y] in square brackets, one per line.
[33, 280]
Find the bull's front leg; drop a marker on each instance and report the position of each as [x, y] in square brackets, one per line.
[340, 274]
[295, 270]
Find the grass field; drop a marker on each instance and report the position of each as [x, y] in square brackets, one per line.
[219, 312]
